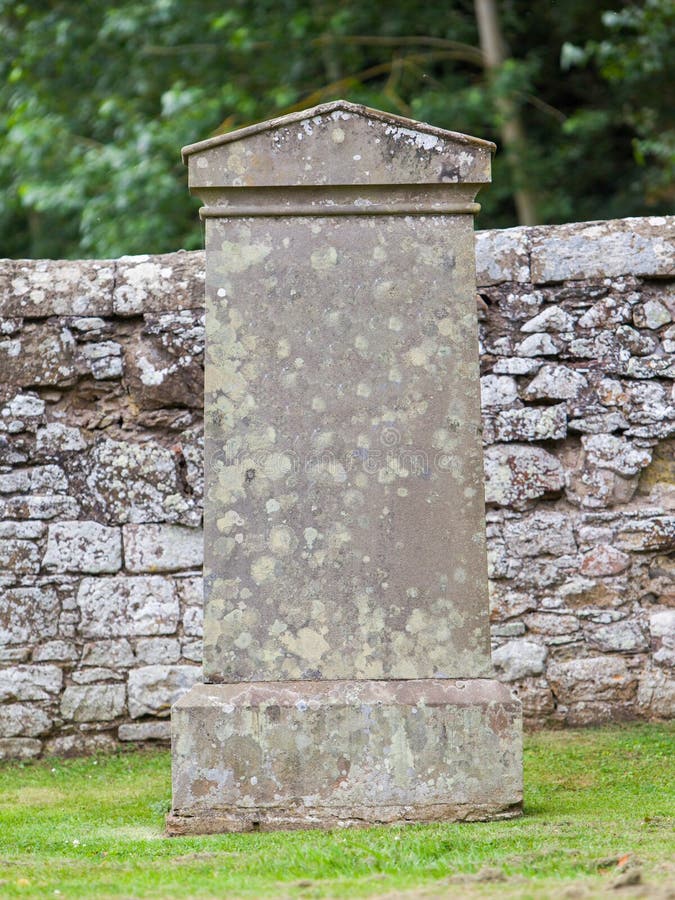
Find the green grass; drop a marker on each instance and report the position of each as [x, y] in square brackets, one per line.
[93, 828]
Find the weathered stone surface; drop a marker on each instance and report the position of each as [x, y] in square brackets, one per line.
[131, 482]
[93, 703]
[604, 560]
[22, 719]
[618, 637]
[158, 283]
[79, 743]
[166, 366]
[502, 256]
[117, 607]
[363, 740]
[28, 614]
[116, 653]
[150, 651]
[154, 689]
[498, 390]
[19, 748]
[553, 318]
[592, 679]
[556, 383]
[535, 423]
[162, 548]
[41, 287]
[542, 532]
[662, 629]
[83, 547]
[145, 731]
[515, 474]
[30, 682]
[518, 659]
[602, 249]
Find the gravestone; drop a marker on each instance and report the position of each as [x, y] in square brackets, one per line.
[347, 668]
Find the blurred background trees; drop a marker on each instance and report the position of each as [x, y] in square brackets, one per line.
[97, 99]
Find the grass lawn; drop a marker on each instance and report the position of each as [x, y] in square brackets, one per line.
[599, 805]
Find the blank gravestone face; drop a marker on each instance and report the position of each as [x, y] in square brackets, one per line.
[346, 587]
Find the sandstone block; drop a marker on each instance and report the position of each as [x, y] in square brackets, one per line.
[83, 547]
[604, 560]
[541, 532]
[617, 637]
[152, 651]
[134, 482]
[498, 390]
[656, 694]
[615, 453]
[540, 344]
[553, 318]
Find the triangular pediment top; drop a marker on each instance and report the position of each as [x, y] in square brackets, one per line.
[337, 109]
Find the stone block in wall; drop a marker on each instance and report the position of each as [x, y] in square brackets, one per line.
[30, 682]
[127, 606]
[604, 560]
[28, 614]
[83, 547]
[543, 532]
[651, 533]
[656, 694]
[44, 354]
[662, 630]
[145, 731]
[153, 689]
[130, 482]
[502, 256]
[57, 439]
[533, 423]
[591, 679]
[103, 360]
[157, 651]
[45, 506]
[162, 548]
[116, 653]
[170, 281]
[93, 702]
[517, 659]
[79, 743]
[36, 288]
[164, 363]
[624, 636]
[56, 651]
[19, 557]
[23, 720]
[20, 748]
[556, 382]
[516, 474]
[642, 247]
[193, 621]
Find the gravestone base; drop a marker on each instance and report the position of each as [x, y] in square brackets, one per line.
[329, 754]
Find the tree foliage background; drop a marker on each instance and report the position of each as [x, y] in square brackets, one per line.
[97, 99]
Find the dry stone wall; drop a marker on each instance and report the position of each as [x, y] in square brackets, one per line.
[101, 482]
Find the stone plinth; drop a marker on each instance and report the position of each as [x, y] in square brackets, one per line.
[326, 754]
[345, 563]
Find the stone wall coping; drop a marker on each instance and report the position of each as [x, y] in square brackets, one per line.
[134, 285]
